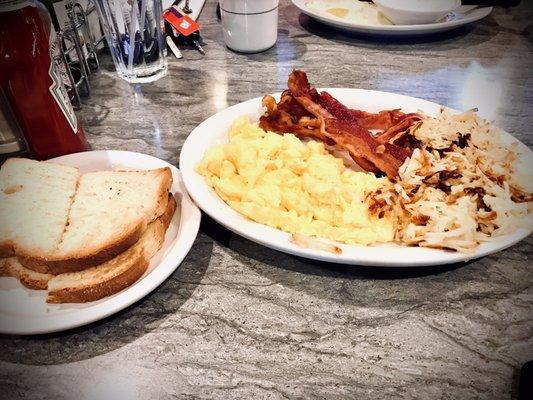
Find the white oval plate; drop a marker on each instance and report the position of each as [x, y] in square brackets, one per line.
[214, 130]
[25, 312]
[459, 19]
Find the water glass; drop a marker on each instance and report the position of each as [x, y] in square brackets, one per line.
[134, 34]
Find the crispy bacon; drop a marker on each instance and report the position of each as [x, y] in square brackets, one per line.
[289, 104]
[400, 128]
[281, 121]
[360, 147]
[309, 114]
[353, 125]
[383, 120]
[299, 86]
[390, 121]
[394, 122]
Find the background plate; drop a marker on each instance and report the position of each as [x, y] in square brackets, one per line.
[460, 19]
[24, 311]
[214, 130]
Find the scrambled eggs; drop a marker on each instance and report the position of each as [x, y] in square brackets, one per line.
[294, 186]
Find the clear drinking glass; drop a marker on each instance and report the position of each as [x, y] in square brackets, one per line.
[133, 30]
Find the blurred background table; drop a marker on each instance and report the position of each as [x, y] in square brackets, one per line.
[238, 320]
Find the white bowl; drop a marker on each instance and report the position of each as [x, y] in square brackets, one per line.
[415, 12]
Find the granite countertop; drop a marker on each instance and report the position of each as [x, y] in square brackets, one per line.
[238, 320]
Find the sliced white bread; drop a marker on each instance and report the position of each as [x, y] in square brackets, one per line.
[120, 268]
[29, 278]
[3, 267]
[110, 213]
[116, 274]
[35, 199]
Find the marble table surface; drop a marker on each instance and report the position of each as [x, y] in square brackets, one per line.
[238, 320]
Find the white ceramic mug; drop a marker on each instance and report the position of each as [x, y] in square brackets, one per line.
[249, 26]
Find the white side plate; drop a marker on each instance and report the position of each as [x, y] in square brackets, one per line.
[460, 18]
[24, 311]
[214, 130]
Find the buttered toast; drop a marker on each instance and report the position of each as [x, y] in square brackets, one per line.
[110, 212]
[92, 235]
[116, 274]
[29, 278]
[103, 280]
[35, 201]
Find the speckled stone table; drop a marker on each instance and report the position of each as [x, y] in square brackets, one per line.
[238, 320]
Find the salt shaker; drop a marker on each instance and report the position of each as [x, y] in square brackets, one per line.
[249, 26]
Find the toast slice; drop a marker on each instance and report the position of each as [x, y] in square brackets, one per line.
[114, 275]
[110, 213]
[35, 199]
[31, 279]
[3, 267]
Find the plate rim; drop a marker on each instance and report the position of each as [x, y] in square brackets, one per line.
[451, 258]
[189, 227]
[333, 21]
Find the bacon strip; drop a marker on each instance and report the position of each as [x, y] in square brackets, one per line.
[281, 121]
[385, 120]
[401, 127]
[309, 114]
[360, 148]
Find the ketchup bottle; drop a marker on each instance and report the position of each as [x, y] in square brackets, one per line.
[31, 82]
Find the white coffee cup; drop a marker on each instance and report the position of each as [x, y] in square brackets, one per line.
[249, 26]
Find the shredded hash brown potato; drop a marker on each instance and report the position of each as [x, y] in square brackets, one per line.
[310, 242]
[462, 186]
